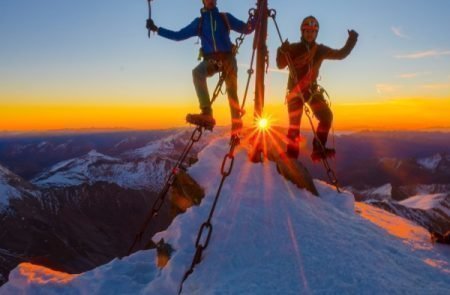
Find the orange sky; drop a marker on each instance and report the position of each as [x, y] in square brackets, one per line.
[395, 114]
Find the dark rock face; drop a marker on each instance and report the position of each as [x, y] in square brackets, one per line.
[75, 229]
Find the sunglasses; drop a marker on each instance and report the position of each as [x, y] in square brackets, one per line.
[310, 25]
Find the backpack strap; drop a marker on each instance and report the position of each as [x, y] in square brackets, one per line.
[224, 17]
[225, 20]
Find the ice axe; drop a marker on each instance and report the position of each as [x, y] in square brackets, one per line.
[149, 13]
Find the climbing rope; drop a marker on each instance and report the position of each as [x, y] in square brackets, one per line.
[330, 173]
[319, 90]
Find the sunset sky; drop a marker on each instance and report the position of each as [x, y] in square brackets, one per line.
[89, 64]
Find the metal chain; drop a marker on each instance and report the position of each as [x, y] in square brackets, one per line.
[170, 179]
[195, 137]
[238, 42]
[330, 173]
[202, 241]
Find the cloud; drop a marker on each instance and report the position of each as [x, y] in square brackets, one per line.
[436, 86]
[412, 75]
[398, 31]
[424, 54]
[387, 88]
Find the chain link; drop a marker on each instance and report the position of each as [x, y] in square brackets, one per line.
[170, 179]
[202, 243]
[206, 225]
[196, 135]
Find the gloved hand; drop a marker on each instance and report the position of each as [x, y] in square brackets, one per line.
[352, 34]
[285, 46]
[151, 25]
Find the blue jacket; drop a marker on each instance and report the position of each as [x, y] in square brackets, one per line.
[214, 34]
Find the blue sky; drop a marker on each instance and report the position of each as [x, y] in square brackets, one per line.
[98, 51]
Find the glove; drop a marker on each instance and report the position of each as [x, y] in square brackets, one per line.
[285, 46]
[151, 25]
[352, 34]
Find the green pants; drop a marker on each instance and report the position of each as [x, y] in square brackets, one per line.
[207, 68]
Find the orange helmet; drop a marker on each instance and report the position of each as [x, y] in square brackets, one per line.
[310, 23]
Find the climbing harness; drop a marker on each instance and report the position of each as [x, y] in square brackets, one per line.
[330, 173]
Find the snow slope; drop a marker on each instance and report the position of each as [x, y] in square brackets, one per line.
[268, 237]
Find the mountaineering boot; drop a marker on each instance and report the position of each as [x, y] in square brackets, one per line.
[321, 152]
[293, 144]
[204, 119]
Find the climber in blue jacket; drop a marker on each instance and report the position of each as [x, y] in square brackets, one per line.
[213, 28]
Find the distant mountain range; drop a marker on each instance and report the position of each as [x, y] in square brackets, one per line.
[70, 216]
[63, 198]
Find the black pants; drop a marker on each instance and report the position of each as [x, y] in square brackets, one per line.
[320, 109]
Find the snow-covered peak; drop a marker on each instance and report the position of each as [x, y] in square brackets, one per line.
[268, 237]
[430, 163]
[383, 192]
[5, 171]
[95, 154]
[425, 202]
[74, 171]
[172, 143]
[12, 186]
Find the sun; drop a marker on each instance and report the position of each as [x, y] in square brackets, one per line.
[263, 124]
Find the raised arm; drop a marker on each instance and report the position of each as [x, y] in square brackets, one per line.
[344, 51]
[189, 31]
